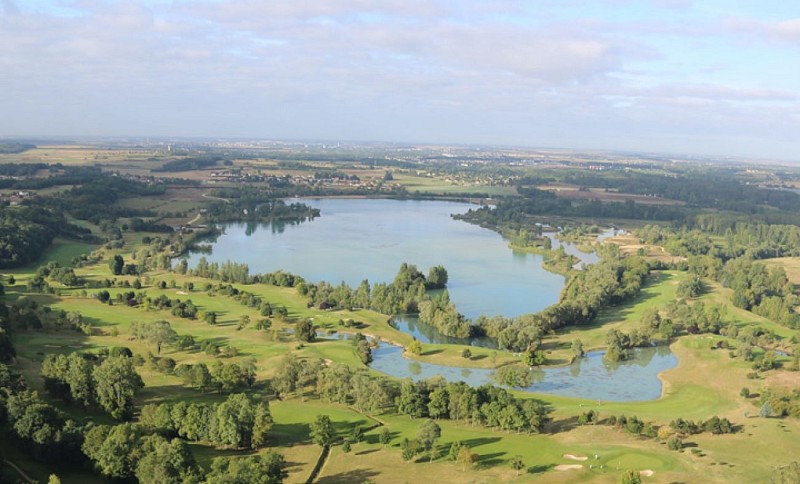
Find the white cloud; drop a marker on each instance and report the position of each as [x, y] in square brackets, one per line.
[397, 70]
[784, 30]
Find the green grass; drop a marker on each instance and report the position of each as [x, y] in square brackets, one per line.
[61, 251]
[692, 390]
[424, 184]
[657, 292]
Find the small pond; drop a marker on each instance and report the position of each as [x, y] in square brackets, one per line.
[590, 377]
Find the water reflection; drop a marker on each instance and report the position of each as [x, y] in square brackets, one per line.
[410, 324]
[589, 377]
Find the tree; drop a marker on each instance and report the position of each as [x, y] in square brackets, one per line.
[267, 469]
[112, 448]
[410, 448]
[466, 354]
[427, 435]
[765, 410]
[517, 463]
[160, 333]
[577, 348]
[304, 331]
[412, 400]
[465, 457]
[322, 431]
[364, 351]
[437, 278]
[262, 424]
[384, 436]
[439, 403]
[199, 377]
[415, 347]
[116, 264]
[674, 443]
[116, 382]
[234, 421]
[630, 476]
[164, 461]
[357, 435]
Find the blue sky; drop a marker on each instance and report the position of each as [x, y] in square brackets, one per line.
[674, 76]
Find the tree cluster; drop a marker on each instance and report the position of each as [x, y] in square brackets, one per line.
[486, 405]
[238, 422]
[76, 378]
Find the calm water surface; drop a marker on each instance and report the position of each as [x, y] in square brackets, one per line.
[588, 377]
[355, 239]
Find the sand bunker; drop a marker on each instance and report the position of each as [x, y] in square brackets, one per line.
[182, 293]
[567, 467]
[647, 473]
[574, 457]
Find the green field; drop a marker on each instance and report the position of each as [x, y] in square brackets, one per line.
[439, 185]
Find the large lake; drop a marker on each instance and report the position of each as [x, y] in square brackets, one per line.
[354, 239]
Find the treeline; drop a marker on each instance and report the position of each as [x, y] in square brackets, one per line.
[250, 204]
[240, 422]
[706, 188]
[96, 198]
[486, 405]
[12, 148]
[744, 202]
[28, 229]
[535, 202]
[754, 240]
[189, 163]
[606, 283]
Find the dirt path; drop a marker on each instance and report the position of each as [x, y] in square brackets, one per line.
[206, 195]
[195, 219]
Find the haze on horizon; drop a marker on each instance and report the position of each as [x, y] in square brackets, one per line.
[706, 77]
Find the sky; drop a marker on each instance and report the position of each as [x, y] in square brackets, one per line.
[715, 77]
